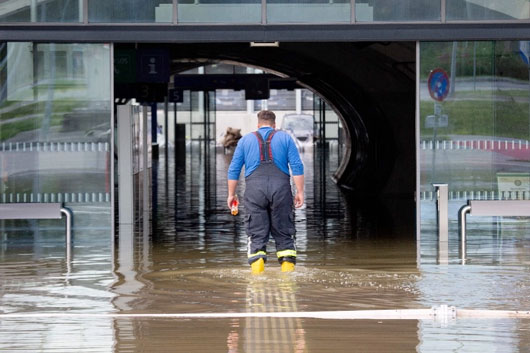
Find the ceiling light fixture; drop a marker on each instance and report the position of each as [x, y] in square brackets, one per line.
[265, 44]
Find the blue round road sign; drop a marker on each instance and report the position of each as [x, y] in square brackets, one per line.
[438, 84]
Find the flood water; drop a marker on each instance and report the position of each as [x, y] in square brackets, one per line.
[191, 258]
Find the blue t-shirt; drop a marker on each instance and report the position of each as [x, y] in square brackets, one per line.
[284, 154]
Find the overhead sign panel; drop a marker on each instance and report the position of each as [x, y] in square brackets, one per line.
[125, 66]
[153, 65]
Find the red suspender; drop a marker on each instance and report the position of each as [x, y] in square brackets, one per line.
[261, 142]
[269, 143]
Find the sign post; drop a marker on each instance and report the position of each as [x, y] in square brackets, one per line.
[438, 84]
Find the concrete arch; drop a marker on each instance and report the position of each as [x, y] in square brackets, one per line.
[371, 86]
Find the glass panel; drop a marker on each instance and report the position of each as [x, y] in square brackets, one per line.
[219, 69]
[307, 100]
[197, 107]
[220, 11]
[41, 11]
[402, 11]
[281, 99]
[476, 139]
[229, 100]
[132, 11]
[331, 116]
[308, 11]
[487, 9]
[55, 128]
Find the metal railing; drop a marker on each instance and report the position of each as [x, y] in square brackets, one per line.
[170, 13]
[40, 211]
[490, 208]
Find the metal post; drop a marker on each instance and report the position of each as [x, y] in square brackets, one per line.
[81, 10]
[443, 11]
[462, 221]
[33, 10]
[68, 215]
[263, 12]
[175, 12]
[442, 201]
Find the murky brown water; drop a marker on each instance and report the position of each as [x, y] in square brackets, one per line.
[194, 261]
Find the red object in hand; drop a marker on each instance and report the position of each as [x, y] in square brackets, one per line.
[234, 208]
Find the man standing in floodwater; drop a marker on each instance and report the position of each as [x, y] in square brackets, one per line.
[267, 155]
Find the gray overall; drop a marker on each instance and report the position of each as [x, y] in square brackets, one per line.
[269, 206]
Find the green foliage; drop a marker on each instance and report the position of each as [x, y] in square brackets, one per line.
[24, 109]
[499, 59]
[481, 118]
[9, 130]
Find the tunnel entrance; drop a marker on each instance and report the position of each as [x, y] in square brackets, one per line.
[363, 185]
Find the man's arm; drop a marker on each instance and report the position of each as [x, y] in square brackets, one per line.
[233, 173]
[299, 184]
[232, 184]
[297, 168]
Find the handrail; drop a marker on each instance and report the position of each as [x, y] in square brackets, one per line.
[462, 221]
[490, 208]
[69, 216]
[40, 211]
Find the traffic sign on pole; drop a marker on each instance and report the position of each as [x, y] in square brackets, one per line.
[438, 84]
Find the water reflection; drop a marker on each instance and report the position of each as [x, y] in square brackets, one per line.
[193, 260]
[282, 335]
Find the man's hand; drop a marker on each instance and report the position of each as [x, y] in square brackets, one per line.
[299, 184]
[229, 201]
[298, 199]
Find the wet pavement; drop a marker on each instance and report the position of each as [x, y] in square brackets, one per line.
[194, 261]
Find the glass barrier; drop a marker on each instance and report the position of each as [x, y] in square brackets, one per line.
[397, 11]
[219, 11]
[477, 10]
[55, 132]
[130, 11]
[308, 11]
[41, 11]
[474, 131]
[250, 11]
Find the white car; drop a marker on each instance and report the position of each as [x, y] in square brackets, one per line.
[300, 127]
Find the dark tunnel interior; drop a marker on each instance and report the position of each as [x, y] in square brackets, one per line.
[371, 87]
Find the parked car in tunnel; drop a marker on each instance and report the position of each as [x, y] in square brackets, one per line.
[300, 127]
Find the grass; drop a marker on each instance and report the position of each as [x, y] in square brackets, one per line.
[10, 130]
[482, 118]
[488, 94]
[36, 107]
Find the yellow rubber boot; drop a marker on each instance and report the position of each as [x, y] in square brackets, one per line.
[257, 266]
[287, 266]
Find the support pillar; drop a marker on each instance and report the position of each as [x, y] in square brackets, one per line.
[125, 165]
